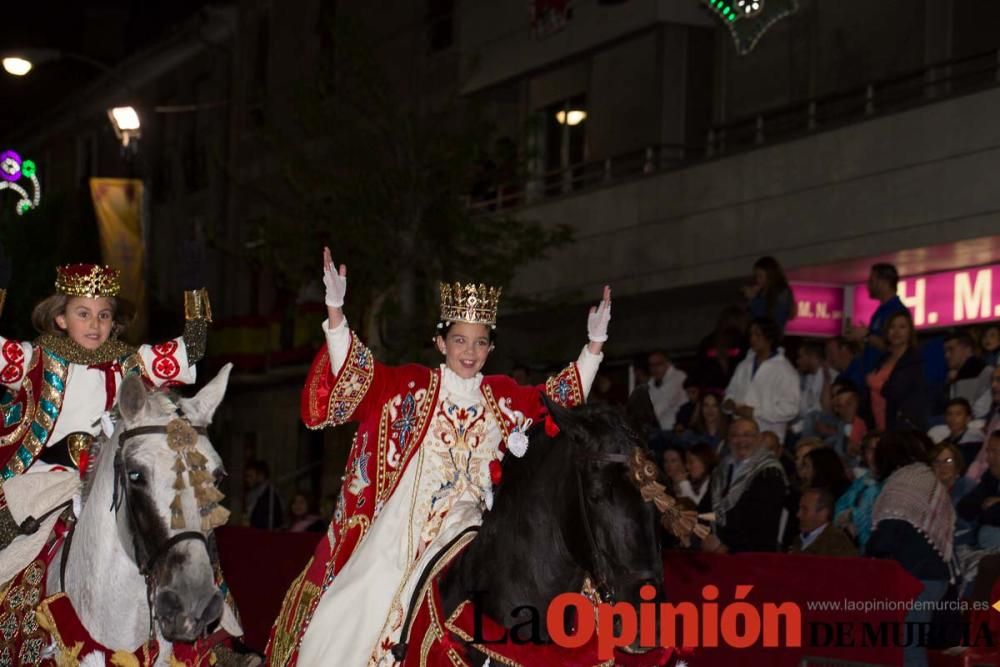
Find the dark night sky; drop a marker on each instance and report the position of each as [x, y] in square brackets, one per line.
[105, 30]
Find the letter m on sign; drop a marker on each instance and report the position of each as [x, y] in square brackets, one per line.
[972, 300]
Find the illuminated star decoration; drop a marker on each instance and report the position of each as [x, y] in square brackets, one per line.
[14, 169]
[748, 20]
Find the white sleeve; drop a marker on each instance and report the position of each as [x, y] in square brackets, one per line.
[737, 389]
[338, 343]
[14, 359]
[587, 365]
[167, 363]
[981, 408]
[781, 400]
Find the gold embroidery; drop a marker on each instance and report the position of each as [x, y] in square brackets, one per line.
[385, 479]
[290, 626]
[565, 388]
[110, 350]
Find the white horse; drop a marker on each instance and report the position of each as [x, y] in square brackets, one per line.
[130, 560]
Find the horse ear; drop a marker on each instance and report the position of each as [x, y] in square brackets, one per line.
[132, 399]
[202, 406]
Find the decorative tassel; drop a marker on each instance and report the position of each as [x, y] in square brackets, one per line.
[176, 513]
[179, 482]
[217, 517]
[195, 458]
[551, 427]
[179, 465]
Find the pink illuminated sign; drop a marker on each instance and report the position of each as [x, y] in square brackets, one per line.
[951, 298]
[820, 310]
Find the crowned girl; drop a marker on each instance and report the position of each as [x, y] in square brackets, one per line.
[421, 470]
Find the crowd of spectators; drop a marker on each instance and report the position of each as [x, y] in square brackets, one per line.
[853, 450]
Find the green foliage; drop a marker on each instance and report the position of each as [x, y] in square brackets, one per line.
[382, 176]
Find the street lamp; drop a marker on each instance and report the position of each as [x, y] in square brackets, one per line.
[16, 66]
[125, 120]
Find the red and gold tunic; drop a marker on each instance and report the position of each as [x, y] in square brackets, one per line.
[410, 419]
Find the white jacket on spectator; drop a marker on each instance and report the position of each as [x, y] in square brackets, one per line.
[773, 391]
[668, 397]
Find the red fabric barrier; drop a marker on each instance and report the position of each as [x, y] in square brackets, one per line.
[800, 579]
[260, 565]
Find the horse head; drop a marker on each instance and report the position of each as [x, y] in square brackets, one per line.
[161, 471]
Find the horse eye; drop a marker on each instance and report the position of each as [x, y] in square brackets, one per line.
[136, 477]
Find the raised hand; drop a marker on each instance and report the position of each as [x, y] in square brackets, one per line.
[597, 320]
[334, 281]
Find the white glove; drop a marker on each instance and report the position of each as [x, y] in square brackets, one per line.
[336, 287]
[597, 320]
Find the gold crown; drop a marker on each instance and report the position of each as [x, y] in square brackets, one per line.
[89, 280]
[475, 304]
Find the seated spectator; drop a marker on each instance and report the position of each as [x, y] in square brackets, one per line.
[802, 448]
[817, 535]
[979, 464]
[982, 504]
[790, 510]
[949, 466]
[769, 295]
[822, 468]
[853, 510]
[991, 345]
[765, 387]
[851, 428]
[898, 392]
[968, 375]
[843, 357]
[709, 423]
[302, 516]
[700, 461]
[747, 494]
[666, 388]
[685, 413]
[673, 466]
[956, 429]
[914, 524]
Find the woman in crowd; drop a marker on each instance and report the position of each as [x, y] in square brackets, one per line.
[770, 295]
[673, 466]
[823, 469]
[700, 461]
[898, 390]
[302, 516]
[853, 510]
[914, 523]
[709, 423]
[949, 467]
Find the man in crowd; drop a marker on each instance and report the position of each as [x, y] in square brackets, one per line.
[883, 281]
[748, 492]
[968, 375]
[851, 428]
[263, 506]
[956, 430]
[814, 381]
[666, 388]
[765, 386]
[982, 504]
[842, 356]
[817, 536]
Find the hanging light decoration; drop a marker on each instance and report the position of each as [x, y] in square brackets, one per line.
[748, 20]
[13, 171]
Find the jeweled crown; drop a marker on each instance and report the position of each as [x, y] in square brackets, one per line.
[89, 280]
[475, 304]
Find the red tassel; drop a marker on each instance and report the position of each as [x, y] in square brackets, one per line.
[84, 463]
[551, 427]
[496, 472]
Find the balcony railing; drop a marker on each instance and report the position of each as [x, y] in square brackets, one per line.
[959, 76]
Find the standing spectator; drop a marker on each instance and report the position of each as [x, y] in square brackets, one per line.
[814, 384]
[770, 295]
[666, 388]
[851, 428]
[898, 391]
[949, 466]
[991, 345]
[719, 352]
[263, 504]
[843, 357]
[968, 375]
[982, 504]
[979, 465]
[748, 492]
[817, 536]
[956, 430]
[914, 524]
[853, 511]
[822, 468]
[303, 517]
[700, 461]
[883, 281]
[710, 423]
[765, 387]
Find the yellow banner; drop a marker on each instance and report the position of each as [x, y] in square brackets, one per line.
[118, 206]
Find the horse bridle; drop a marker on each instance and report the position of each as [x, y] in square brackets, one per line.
[120, 497]
[599, 570]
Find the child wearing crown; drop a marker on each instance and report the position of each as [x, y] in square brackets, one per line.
[421, 470]
[60, 385]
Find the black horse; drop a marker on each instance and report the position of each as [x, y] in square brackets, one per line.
[563, 512]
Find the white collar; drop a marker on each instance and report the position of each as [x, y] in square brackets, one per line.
[459, 386]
